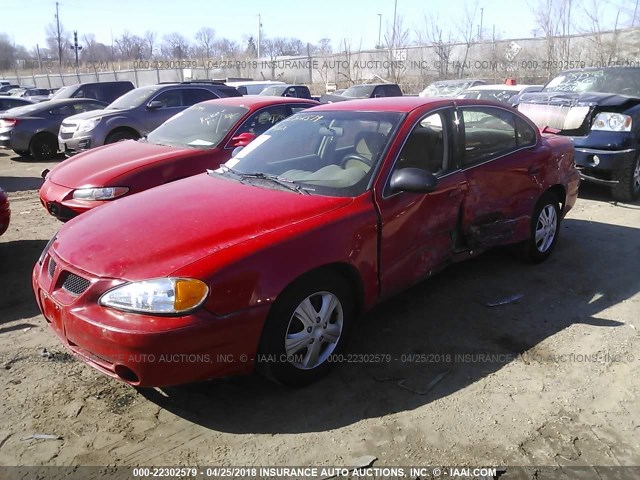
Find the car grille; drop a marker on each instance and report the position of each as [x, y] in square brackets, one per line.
[66, 136]
[51, 267]
[75, 285]
[561, 117]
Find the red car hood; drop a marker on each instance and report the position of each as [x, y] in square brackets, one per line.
[153, 233]
[99, 167]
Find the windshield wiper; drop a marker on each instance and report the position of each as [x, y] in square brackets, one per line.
[283, 182]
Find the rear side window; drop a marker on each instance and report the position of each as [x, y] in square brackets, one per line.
[488, 133]
[526, 135]
[197, 95]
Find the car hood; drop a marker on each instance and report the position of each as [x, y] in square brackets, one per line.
[100, 166]
[573, 99]
[158, 231]
[91, 114]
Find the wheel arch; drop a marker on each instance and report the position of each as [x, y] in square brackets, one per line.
[122, 129]
[560, 192]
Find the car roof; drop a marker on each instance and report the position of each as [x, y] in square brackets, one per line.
[400, 104]
[258, 101]
[254, 82]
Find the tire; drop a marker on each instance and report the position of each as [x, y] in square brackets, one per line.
[545, 228]
[313, 338]
[43, 146]
[628, 176]
[23, 153]
[121, 136]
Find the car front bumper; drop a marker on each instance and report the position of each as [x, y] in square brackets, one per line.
[144, 350]
[76, 144]
[59, 201]
[597, 165]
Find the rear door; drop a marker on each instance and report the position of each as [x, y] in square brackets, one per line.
[418, 230]
[503, 161]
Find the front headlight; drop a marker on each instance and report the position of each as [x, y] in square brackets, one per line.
[46, 249]
[88, 125]
[612, 122]
[158, 296]
[105, 193]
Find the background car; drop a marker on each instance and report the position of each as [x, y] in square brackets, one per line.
[450, 88]
[253, 87]
[5, 211]
[201, 137]
[105, 92]
[4, 89]
[599, 110]
[9, 102]
[33, 129]
[368, 90]
[135, 114]
[499, 92]
[296, 91]
[268, 261]
[33, 94]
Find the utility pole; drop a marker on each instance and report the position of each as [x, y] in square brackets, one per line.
[58, 38]
[75, 45]
[395, 18]
[481, 21]
[379, 44]
[259, 34]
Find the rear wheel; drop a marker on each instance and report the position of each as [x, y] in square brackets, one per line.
[545, 227]
[628, 176]
[121, 136]
[307, 324]
[43, 146]
[22, 153]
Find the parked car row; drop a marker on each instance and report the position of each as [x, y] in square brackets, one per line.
[217, 265]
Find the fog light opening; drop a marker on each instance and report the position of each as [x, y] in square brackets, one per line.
[595, 161]
[126, 374]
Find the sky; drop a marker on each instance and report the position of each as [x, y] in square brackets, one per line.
[356, 21]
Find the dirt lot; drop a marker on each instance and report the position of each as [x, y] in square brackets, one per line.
[549, 380]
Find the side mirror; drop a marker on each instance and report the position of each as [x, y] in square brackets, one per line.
[243, 139]
[236, 151]
[154, 105]
[414, 180]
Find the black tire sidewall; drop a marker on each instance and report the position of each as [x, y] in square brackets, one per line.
[36, 145]
[623, 191]
[119, 137]
[272, 346]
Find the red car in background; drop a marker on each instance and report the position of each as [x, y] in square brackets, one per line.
[5, 211]
[267, 262]
[201, 137]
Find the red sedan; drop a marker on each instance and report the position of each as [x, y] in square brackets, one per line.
[267, 262]
[201, 137]
[5, 211]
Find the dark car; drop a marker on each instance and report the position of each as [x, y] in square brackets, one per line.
[370, 90]
[32, 129]
[35, 94]
[4, 88]
[9, 102]
[599, 109]
[296, 91]
[136, 113]
[5, 211]
[105, 92]
[269, 261]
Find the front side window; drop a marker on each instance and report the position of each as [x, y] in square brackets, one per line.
[263, 120]
[308, 149]
[170, 99]
[427, 146]
[488, 133]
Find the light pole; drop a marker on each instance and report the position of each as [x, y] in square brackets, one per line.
[395, 17]
[259, 33]
[379, 44]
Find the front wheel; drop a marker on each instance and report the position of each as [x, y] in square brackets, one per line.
[628, 176]
[307, 325]
[545, 227]
[121, 137]
[43, 147]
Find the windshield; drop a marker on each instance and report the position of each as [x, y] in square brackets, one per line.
[617, 80]
[64, 92]
[496, 95]
[358, 91]
[200, 126]
[326, 153]
[134, 98]
[275, 91]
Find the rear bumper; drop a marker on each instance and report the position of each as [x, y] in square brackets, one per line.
[146, 350]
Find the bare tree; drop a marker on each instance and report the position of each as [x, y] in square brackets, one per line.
[7, 52]
[553, 18]
[175, 46]
[206, 38]
[130, 47]
[605, 45]
[57, 43]
[150, 43]
[92, 50]
[396, 39]
[324, 46]
[441, 42]
[467, 29]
